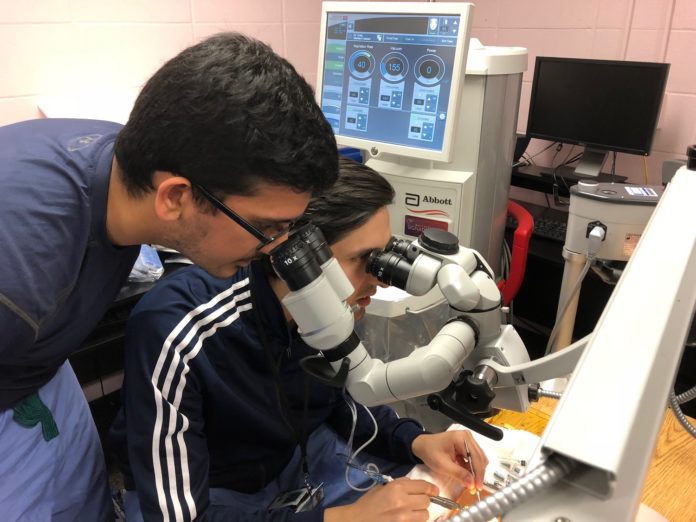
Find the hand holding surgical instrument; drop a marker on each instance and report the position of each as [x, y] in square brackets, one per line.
[382, 478]
[471, 466]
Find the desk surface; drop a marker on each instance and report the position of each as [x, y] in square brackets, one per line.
[543, 179]
[668, 487]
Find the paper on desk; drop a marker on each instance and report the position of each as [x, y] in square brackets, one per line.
[515, 444]
[647, 514]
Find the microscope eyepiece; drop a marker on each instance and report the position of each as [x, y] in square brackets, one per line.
[312, 235]
[397, 245]
[403, 247]
[295, 263]
[389, 268]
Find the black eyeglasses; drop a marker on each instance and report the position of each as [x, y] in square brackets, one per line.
[264, 240]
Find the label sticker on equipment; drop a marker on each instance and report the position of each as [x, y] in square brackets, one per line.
[641, 191]
[630, 242]
[415, 225]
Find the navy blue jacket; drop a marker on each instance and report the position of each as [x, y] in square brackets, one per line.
[201, 407]
[59, 272]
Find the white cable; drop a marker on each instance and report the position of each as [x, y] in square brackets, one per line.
[594, 240]
[370, 467]
[374, 433]
[566, 305]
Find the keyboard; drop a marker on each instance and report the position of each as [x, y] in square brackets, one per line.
[549, 228]
[549, 223]
[568, 176]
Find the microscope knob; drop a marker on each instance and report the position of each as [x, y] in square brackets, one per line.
[439, 241]
[444, 403]
[476, 394]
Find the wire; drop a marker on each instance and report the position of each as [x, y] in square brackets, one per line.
[530, 159]
[686, 396]
[679, 414]
[553, 160]
[613, 164]
[566, 160]
[533, 483]
[564, 309]
[532, 326]
[505, 257]
[595, 239]
[374, 433]
[556, 197]
[370, 469]
[550, 394]
[645, 168]
[574, 158]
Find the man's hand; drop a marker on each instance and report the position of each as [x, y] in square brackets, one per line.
[445, 453]
[402, 500]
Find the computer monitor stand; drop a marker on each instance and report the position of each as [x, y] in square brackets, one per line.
[591, 162]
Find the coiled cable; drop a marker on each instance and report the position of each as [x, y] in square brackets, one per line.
[679, 414]
[550, 394]
[686, 396]
[534, 482]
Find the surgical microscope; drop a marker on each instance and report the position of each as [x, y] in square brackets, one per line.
[587, 472]
[473, 365]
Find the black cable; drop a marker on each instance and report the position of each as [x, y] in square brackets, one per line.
[556, 196]
[532, 326]
[548, 203]
[565, 161]
[573, 159]
[300, 432]
[531, 158]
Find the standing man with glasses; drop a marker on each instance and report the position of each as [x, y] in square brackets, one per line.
[78, 198]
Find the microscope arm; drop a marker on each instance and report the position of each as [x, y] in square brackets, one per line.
[427, 369]
[554, 365]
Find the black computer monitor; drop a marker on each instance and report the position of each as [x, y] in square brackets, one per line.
[605, 105]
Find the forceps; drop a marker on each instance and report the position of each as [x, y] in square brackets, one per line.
[471, 466]
[382, 478]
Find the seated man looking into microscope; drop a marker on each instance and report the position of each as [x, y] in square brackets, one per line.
[219, 419]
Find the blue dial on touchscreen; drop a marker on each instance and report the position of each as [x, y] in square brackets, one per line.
[387, 77]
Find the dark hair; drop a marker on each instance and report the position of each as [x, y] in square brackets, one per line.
[350, 202]
[228, 113]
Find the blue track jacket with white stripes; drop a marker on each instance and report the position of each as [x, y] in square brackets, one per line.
[200, 404]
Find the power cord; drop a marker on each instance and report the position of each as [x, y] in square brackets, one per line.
[530, 159]
[556, 196]
[595, 239]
